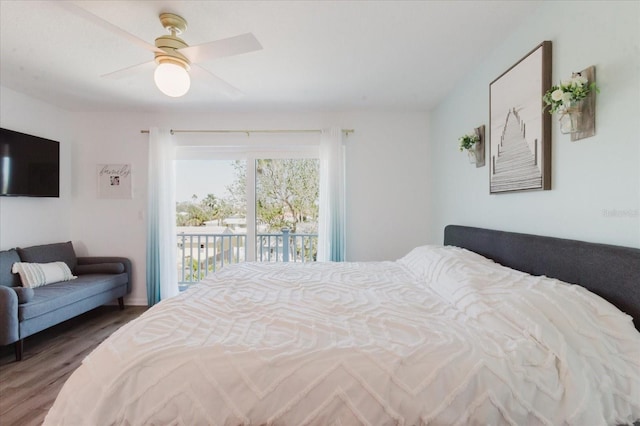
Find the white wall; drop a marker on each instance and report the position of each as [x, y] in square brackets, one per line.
[388, 207]
[26, 221]
[387, 173]
[595, 192]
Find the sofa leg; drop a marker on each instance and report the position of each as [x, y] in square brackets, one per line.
[121, 303]
[18, 346]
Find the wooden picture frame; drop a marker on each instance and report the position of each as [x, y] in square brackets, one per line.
[520, 130]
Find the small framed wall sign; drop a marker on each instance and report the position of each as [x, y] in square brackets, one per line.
[114, 181]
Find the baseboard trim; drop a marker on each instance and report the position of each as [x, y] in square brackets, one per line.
[135, 302]
[130, 302]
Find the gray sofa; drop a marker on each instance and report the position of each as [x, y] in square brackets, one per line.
[26, 311]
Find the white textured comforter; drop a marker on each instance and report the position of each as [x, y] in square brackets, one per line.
[442, 336]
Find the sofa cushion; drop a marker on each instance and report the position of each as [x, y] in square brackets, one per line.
[100, 268]
[7, 259]
[25, 295]
[58, 295]
[34, 275]
[50, 253]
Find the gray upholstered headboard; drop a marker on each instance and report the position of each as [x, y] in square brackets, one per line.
[611, 272]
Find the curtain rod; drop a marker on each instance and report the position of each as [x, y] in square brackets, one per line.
[248, 132]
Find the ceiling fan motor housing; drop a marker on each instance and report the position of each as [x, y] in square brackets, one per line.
[170, 43]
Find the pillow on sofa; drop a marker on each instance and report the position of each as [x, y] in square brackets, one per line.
[100, 268]
[35, 275]
[48, 253]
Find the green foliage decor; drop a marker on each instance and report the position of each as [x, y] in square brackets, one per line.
[564, 95]
[467, 141]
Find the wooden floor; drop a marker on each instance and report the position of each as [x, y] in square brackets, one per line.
[29, 387]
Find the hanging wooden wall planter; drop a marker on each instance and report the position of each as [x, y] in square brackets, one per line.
[478, 148]
[584, 122]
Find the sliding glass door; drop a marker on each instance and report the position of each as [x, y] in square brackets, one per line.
[245, 206]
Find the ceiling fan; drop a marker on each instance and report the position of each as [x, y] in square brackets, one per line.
[174, 58]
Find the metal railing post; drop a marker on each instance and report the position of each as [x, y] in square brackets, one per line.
[285, 245]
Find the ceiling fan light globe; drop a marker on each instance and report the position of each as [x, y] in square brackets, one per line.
[172, 80]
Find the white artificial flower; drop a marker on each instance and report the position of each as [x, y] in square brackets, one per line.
[557, 95]
[566, 98]
[566, 82]
[582, 80]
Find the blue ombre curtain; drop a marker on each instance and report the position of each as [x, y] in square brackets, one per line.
[162, 279]
[331, 229]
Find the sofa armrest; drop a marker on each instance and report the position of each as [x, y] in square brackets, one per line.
[92, 260]
[8, 316]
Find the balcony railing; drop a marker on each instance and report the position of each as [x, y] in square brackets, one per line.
[201, 254]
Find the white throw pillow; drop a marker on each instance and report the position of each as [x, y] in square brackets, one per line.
[425, 262]
[35, 275]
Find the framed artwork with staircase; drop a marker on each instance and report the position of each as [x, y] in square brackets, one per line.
[520, 131]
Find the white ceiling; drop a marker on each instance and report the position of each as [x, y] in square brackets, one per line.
[317, 55]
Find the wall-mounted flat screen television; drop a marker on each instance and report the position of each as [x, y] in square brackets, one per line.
[29, 165]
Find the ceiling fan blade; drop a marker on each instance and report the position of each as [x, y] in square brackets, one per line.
[83, 13]
[216, 82]
[243, 43]
[134, 69]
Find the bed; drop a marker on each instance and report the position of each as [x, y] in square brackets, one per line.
[445, 335]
